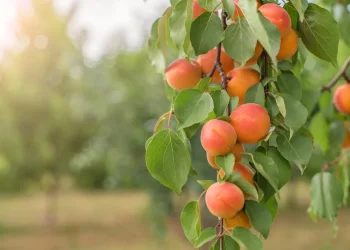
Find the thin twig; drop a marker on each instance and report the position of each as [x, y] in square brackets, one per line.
[335, 161]
[341, 73]
[169, 119]
[221, 234]
[199, 198]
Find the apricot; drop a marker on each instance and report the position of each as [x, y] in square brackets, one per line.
[241, 80]
[239, 220]
[237, 150]
[224, 200]
[278, 17]
[341, 98]
[182, 74]
[218, 137]
[238, 12]
[289, 45]
[206, 61]
[251, 122]
[346, 143]
[197, 9]
[258, 51]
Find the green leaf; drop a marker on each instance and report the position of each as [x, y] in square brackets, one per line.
[192, 106]
[214, 86]
[161, 123]
[259, 216]
[226, 163]
[221, 100]
[267, 33]
[192, 130]
[344, 27]
[168, 160]
[225, 118]
[155, 54]
[336, 134]
[319, 129]
[298, 149]
[326, 195]
[280, 104]
[344, 175]
[229, 244]
[191, 221]
[240, 41]
[234, 102]
[284, 167]
[203, 84]
[180, 24]
[272, 206]
[174, 2]
[255, 94]
[284, 65]
[182, 135]
[229, 7]
[320, 34]
[300, 6]
[205, 183]
[209, 4]
[246, 187]
[170, 92]
[271, 106]
[246, 239]
[206, 236]
[266, 167]
[289, 84]
[293, 13]
[310, 98]
[296, 113]
[206, 32]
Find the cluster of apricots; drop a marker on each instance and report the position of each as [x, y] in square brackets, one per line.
[184, 74]
[341, 100]
[249, 123]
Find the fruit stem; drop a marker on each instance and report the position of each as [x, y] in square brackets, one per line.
[341, 73]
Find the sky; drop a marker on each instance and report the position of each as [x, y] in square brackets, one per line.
[101, 18]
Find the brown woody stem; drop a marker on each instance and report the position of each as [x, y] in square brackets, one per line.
[341, 73]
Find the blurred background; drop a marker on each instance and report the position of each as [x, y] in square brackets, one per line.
[78, 99]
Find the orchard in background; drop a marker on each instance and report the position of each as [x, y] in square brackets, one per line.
[231, 70]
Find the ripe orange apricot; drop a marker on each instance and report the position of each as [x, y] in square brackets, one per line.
[278, 17]
[341, 98]
[238, 12]
[206, 61]
[289, 45]
[182, 74]
[224, 200]
[346, 143]
[258, 50]
[236, 150]
[251, 122]
[241, 80]
[218, 137]
[197, 9]
[239, 220]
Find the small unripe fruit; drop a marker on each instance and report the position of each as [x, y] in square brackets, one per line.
[206, 61]
[224, 200]
[218, 137]
[182, 74]
[239, 220]
[197, 9]
[289, 45]
[251, 122]
[341, 98]
[236, 150]
[241, 80]
[278, 17]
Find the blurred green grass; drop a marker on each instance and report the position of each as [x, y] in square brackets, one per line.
[110, 221]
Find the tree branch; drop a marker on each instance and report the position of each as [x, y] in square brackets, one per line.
[221, 232]
[341, 73]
